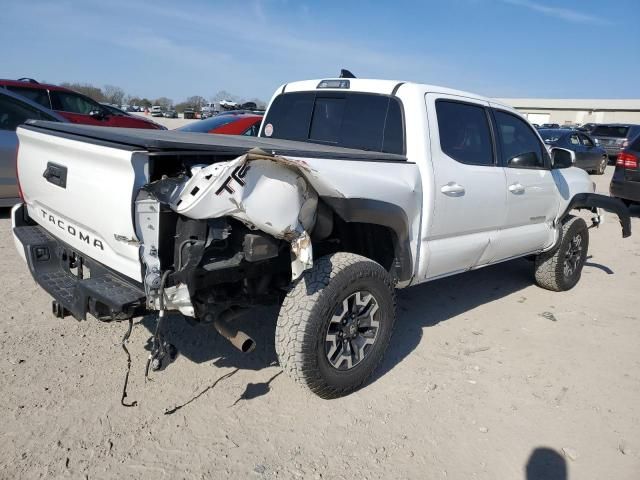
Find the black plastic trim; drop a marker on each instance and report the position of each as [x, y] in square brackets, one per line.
[106, 294]
[610, 204]
[395, 89]
[377, 212]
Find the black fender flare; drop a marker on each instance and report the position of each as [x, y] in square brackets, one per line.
[592, 201]
[378, 212]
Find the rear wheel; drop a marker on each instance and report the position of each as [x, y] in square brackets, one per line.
[602, 166]
[560, 268]
[335, 324]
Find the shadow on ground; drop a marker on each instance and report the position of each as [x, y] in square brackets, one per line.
[418, 307]
[546, 464]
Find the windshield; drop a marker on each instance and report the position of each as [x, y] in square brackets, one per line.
[205, 126]
[610, 131]
[550, 136]
[344, 119]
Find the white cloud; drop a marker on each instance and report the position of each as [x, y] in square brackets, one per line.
[567, 14]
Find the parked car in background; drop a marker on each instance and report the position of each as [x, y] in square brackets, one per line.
[587, 127]
[157, 111]
[189, 113]
[170, 114]
[247, 124]
[589, 156]
[14, 111]
[625, 183]
[208, 110]
[615, 137]
[74, 106]
[550, 125]
[114, 110]
[228, 104]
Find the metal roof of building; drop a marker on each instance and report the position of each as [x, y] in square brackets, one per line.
[600, 104]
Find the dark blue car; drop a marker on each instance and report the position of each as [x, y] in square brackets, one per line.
[589, 155]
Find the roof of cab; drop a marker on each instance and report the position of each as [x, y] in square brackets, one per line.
[383, 87]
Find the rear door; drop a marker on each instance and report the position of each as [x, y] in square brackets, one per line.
[532, 195]
[469, 203]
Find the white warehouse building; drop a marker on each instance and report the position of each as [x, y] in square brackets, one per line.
[580, 111]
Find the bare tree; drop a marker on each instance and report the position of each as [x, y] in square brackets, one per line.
[196, 102]
[86, 89]
[164, 102]
[224, 95]
[114, 95]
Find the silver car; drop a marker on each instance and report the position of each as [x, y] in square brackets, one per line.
[15, 110]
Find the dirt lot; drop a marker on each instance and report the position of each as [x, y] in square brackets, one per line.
[484, 369]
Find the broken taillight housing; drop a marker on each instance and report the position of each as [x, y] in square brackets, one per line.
[627, 160]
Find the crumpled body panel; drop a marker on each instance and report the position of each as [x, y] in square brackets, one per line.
[264, 192]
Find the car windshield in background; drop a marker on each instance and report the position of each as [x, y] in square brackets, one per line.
[610, 131]
[344, 119]
[205, 126]
[551, 136]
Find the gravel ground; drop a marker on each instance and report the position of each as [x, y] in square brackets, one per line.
[488, 377]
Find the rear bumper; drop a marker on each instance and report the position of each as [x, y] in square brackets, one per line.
[612, 151]
[625, 189]
[55, 267]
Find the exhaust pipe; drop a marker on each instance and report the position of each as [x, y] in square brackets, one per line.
[238, 338]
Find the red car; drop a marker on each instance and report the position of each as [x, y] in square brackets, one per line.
[74, 106]
[227, 124]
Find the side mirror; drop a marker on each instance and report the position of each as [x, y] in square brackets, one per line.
[562, 158]
[525, 160]
[98, 114]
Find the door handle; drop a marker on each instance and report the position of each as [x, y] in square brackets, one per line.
[516, 189]
[452, 189]
[56, 174]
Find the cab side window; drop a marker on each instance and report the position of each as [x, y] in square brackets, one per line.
[465, 134]
[72, 102]
[586, 141]
[519, 145]
[573, 139]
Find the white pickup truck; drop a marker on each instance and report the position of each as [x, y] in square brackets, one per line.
[354, 187]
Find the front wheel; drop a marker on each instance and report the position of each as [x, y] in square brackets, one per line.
[335, 324]
[560, 268]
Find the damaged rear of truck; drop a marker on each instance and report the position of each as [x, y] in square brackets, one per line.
[354, 188]
[118, 224]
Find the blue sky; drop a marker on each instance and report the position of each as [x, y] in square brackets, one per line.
[499, 48]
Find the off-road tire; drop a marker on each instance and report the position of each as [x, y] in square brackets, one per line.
[550, 266]
[306, 313]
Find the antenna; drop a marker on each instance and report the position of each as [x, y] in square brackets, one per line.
[344, 73]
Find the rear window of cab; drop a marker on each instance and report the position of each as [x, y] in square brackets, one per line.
[344, 119]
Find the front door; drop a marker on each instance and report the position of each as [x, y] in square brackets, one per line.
[593, 154]
[469, 185]
[532, 195]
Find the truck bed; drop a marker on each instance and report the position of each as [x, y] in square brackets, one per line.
[172, 140]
